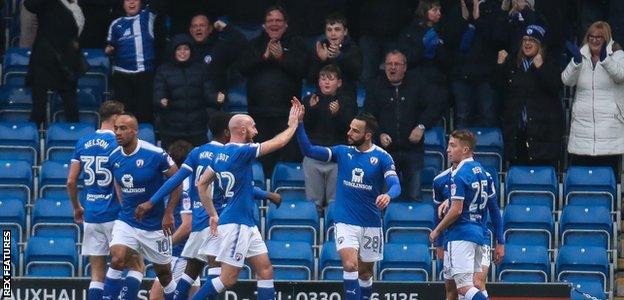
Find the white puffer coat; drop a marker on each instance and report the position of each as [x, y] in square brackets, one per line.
[597, 124]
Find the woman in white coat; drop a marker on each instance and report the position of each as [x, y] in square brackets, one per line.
[597, 124]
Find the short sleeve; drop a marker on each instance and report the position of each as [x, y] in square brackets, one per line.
[190, 163]
[491, 188]
[77, 150]
[458, 188]
[166, 162]
[387, 165]
[250, 152]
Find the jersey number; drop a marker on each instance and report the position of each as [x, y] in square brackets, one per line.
[91, 172]
[226, 183]
[480, 193]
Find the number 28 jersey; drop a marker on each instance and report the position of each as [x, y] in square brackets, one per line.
[98, 195]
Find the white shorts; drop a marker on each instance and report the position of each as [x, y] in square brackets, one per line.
[97, 237]
[367, 240]
[195, 241]
[234, 243]
[462, 258]
[486, 256]
[153, 245]
[178, 266]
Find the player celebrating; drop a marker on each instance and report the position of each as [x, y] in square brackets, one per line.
[363, 169]
[464, 219]
[139, 168]
[237, 237]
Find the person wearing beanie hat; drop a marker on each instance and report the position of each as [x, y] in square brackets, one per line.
[520, 15]
[535, 32]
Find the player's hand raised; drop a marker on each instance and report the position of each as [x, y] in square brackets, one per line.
[214, 224]
[168, 224]
[382, 201]
[142, 209]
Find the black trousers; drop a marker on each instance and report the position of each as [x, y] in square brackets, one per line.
[40, 99]
[134, 90]
[195, 140]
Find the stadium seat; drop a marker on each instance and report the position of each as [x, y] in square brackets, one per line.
[237, 98]
[532, 186]
[61, 139]
[408, 222]
[405, 262]
[524, 264]
[594, 185]
[244, 273]
[435, 148]
[329, 220]
[489, 149]
[98, 61]
[590, 262]
[15, 103]
[330, 265]
[16, 179]
[287, 176]
[13, 217]
[426, 179]
[308, 89]
[258, 175]
[15, 65]
[89, 101]
[584, 287]
[54, 218]
[19, 141]
[146, 133]
[50, 257]
[293, 221]
[528, 225]
[360, 96]
[53, 179]
[291, 260]
[587, 225]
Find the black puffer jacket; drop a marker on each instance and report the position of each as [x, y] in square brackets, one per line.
[188, 91]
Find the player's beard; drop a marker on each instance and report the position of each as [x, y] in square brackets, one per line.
[357, 143]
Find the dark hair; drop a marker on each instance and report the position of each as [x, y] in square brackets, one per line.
[218, 123]
[371, 123]
[331, 69]
[179, 150]
[465, 136]
[278, 8]
[110, 108]
[423, 8]
[396, 52]
[336, 18]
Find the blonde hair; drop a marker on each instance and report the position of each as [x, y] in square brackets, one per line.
[601, 26]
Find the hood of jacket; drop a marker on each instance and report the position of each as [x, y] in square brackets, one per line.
[180, 39]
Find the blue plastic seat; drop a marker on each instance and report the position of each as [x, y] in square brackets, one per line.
[237, 98]
[532, 185]
[490, 148]
[54, 218]
[523, 263]
[146, 133]
[360, 96]
[19, 141]
[528, 225]
[258, 175]
[89, 101]
[61, 139]
[598, 182]
[330, 210]
[287, 176]
[15, 103]
[13, 217]
[590, 262]
[586, 225]
[16, 179]
[330, 265]
[15, 64]
[435, 148]
[50, 257]
[291, 260]
[426, 179]
[408, 222]
[584, 286]
[405, 262]
[53, 179]
[293, 221]
[98, 61]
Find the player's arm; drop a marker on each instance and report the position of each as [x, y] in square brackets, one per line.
[497, 222]
[174, 198]
[167, 188]
[118, 192]
[282, 139]
[72, 190]
[394, 190]
[260, 194]
[457, 206]
[309, 150]
[204, 188]
[184, 230]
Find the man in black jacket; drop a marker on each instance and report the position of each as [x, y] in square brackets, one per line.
[274, 64]
[404, 107]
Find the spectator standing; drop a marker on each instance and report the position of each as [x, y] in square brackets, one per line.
[98, 15]
[404, 107]
[274, 64]
[515, 16]
[597, 72]
[327, 117]
[28, 27]
[337, 48]
[310, 19]
[533, 112]
[182, 94]
[56, 62]
[131, 44]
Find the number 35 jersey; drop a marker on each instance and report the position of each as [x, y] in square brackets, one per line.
[469, 183]
[98, 195]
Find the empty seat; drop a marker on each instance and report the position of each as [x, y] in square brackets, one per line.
[426, 179]
[292, 195]
[408, 222]
[598, 182]
[89, 101]
[523, 263]
[15, 64]
[330, 264]
[98, 61]
[237, 98]
[293, 221]
[61, 139]
[586, 225]
[405, 262]
[489, 149]
[53, 178]
[54, 218]
[19, 141]
[15, 103]
[16, 179]
[591, 262]
[146, 133]
[287, 176]
[50, 257]
[329, 220]
[13, 217]
[291, 260]
[532, 185]
[435, 148]
[584, 287]
[528, 225]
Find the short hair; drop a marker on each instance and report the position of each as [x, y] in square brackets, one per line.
[396, 52]
[110, 108]
[179, 150]
[278, 8]
[331, 69]
[371, 123]
[131, 116]
[423, 8]
[465, 136]
[336, 18]
[218, 123]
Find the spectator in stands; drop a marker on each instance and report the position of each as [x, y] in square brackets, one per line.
[533, 113]
[274, 64]
[474, 62]
[98, 15]
[56, 62]
[182, 13]
[215, 46]
[337, 48]
[380, 22]
[597, 72]
[327, 118]
[182, 93]
[404, 107]
[516, 15]
[28, 27]
[131, 44]
[310, 20]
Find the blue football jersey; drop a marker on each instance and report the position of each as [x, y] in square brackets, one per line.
[98, 196]
[184, 207]
[361, 178]
[491, 202]
[197, 161]
[140, 174]
[233, 169]
[470, 184]
[441, 193]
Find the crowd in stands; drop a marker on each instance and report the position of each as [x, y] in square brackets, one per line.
[420, 64]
